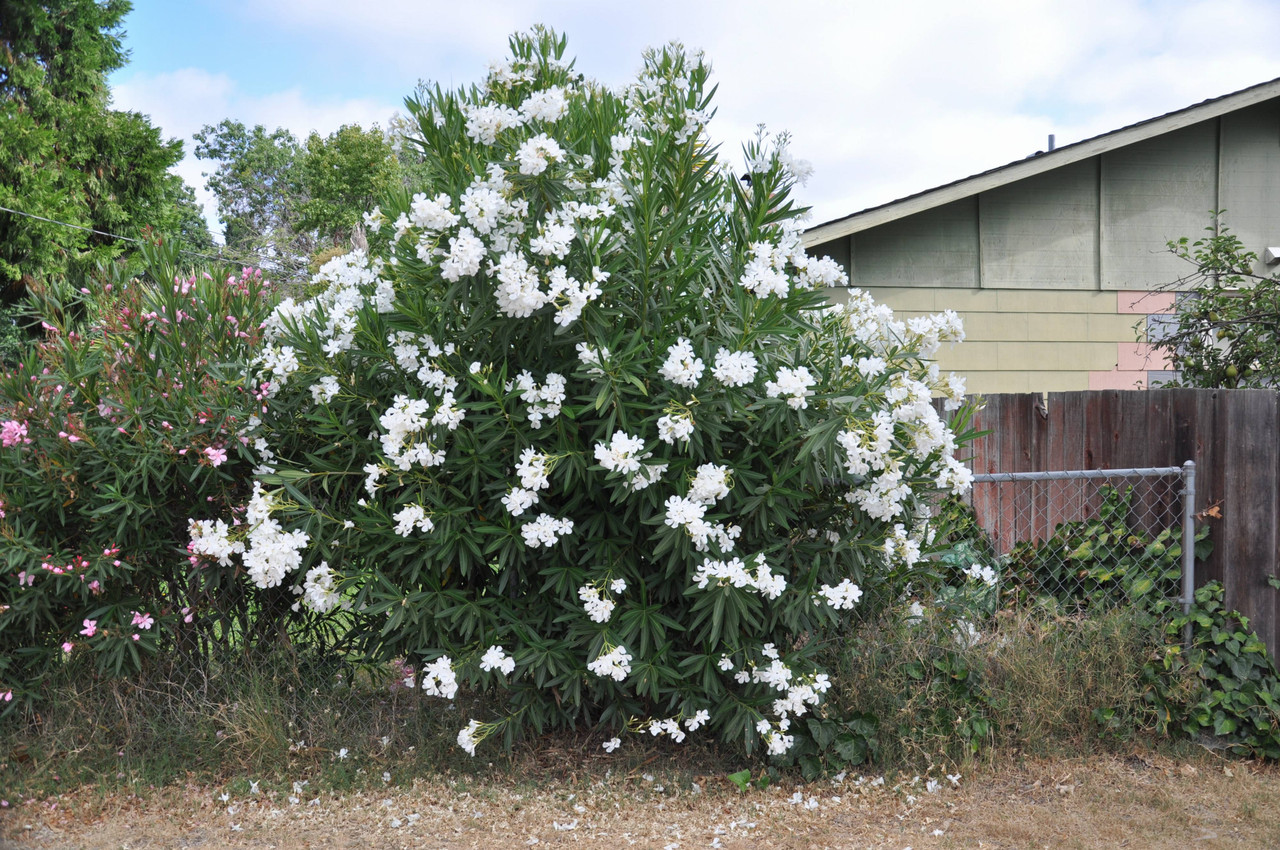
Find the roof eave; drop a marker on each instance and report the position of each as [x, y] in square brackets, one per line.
[1038, 164]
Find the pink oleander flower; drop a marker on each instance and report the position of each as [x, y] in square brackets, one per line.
[142, 621]
[217, 455]
[67, 646]
[136, 637]
[13, 432]
[7, 696]
[90, 628]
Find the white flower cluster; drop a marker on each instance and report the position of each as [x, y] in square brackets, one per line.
[841, 597]
[765, 273]
[710, 484]
[212, 538]
[438, 678]
[599, 608]
[544, 399]
[536, 153]
[468, 737]
[682, 367]
[319, 591]
[404, 421]
[546, 530]
[621, 454]
[675, 426]
[795, 384]
[734, 573]
[412, 517]
[687, 513]
[614, 664]
[271, 553]
[496, 658]
[983, 573]
[735, 368]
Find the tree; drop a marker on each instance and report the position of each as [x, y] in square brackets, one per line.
[64, 154]
[341, 177]
[1227, 331]
[256, 184]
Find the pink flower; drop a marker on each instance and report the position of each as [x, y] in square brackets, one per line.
[13, 432]
[142, 621]
[7, 696]
[137, 637]
[217, 455]
[67, 646]
[187, 616]
[90, 628]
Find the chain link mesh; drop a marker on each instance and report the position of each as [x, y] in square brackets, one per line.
[1086, 541]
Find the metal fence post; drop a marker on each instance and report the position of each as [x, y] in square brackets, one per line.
[1188, 546]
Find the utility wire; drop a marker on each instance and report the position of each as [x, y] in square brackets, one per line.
[220, 258]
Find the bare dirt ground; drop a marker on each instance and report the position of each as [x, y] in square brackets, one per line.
[1139, 801]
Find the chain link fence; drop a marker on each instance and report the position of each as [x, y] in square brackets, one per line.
[1092, 538]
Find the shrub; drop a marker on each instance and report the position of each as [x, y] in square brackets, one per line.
[585, 429]
[115, 429]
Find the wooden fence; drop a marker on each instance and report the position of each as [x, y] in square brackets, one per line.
[1232, 435]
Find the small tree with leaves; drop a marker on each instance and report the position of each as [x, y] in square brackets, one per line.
[1227, 331]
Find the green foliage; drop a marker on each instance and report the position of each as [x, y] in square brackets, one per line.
[64, 154]
[342, 176]
[256, 183]
[475, 427]
[1105, 560]
[293, 201]
[1228, 322]
[119, 425]
[1237, 695]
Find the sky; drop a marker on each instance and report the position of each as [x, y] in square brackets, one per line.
[885, 99]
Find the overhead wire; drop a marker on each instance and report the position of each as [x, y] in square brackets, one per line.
[186, 251]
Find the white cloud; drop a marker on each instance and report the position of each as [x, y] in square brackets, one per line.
[183, 101]
[885, 99]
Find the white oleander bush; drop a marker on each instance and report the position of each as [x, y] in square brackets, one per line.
[584, 428]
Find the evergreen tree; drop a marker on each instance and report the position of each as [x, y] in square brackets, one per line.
[64, 153]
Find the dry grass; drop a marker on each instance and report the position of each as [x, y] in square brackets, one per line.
[1141, 800]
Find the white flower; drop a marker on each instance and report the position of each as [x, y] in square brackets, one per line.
[320, 595]
[842, 596]
[465, 253]
[545, 531]
[467, 737]
[518, 500]
[598, 608]
[410, 517]
[735, 368]
[546, 105]
[710, 484]
[615, 664]
[618, 585]
[698, 720]
[496, 658]
[794, 384]
[681, 366]
[438, 678]
[535, 154]
[622, 454]
[611, 744]
[672, 427]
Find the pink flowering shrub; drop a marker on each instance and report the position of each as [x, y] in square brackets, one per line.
[587, 428]
[112, 433]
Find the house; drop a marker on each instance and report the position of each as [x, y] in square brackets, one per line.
[1058, 262]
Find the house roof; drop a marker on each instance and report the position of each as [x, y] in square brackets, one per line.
[1040, 163]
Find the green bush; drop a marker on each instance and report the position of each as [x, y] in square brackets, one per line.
[115, 429]
[584, 431]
